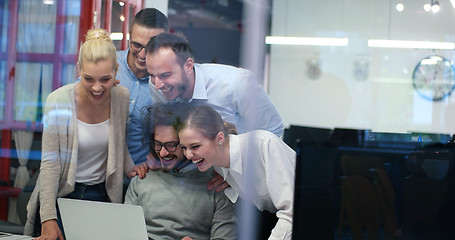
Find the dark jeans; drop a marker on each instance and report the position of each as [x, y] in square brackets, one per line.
[82, 192]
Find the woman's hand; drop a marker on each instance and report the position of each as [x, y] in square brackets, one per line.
[139, 170]
[217, 182]
[50, 231]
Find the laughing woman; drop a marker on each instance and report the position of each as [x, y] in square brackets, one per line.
[84, 151]
[206, 141]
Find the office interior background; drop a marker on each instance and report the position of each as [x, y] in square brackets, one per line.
[382, 67]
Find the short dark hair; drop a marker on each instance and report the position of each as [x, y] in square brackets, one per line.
[161, 114]
[176, 41]
[151, 18]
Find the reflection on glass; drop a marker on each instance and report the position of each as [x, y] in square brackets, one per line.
[2, 88]
[103, 13]
[131, 16]
[30, 90]
[36, 21]
[117, 24]
[73, 10]
[3, 25]
[68, 73]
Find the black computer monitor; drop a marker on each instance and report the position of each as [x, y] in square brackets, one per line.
[306, 135]
[313, 195]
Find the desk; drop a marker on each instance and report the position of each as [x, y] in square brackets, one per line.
[5, 193]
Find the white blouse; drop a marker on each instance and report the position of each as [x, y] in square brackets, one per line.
[93, 149]
[272, 177]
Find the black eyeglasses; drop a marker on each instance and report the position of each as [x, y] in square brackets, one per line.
[136, 46]
[169, 146]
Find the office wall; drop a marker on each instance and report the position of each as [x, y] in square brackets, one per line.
[358, 86]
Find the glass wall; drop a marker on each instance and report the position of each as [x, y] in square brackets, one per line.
[36, 66]
[373, 74]
[4, 16]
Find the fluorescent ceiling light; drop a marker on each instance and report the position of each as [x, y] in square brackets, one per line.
[116, 36]
[306, 41]
[453, 3]
[410, 44]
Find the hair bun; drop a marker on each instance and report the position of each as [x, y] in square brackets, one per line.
[98, 33]
[230, 128]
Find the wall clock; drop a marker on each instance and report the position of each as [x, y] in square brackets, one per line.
[433, 78]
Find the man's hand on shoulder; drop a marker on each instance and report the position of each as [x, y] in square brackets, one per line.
[139, 170]
[217, 183]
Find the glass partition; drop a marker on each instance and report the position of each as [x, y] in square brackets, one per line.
[3, 25]
[36, 21]
[2, 88]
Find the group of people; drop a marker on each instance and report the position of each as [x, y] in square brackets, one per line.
[202, 125]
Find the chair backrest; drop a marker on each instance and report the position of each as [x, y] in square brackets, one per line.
[386, 200]
[24, 197]
[361, 206]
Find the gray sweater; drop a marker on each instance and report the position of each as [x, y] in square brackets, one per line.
[179, 204]
[59, 152]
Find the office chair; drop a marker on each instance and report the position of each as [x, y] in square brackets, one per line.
[21, 207]
[386, 200]
[359, 208]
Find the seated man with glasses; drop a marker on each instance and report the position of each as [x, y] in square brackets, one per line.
[175, 199]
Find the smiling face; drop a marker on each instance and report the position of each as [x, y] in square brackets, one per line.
[139, 37]
[166, 134]
[169, 76]
[202, 151]
[97, 80]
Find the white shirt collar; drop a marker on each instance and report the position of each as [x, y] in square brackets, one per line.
[199, 92]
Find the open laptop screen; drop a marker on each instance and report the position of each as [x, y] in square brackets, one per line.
[99, 220]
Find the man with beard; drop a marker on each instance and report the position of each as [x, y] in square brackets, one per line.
[232, 92]
[175, 199]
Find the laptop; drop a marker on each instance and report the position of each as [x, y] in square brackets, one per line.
[84, 220]
[10, 236]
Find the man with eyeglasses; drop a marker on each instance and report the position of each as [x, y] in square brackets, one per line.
[132, 73]
[175, 199]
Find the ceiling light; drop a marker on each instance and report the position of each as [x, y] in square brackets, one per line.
[312, 41]
[116, 36]
[429, 61]
[435, 6]
[400, 7]
[410, 44]
[453, 3]
[427, 7]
